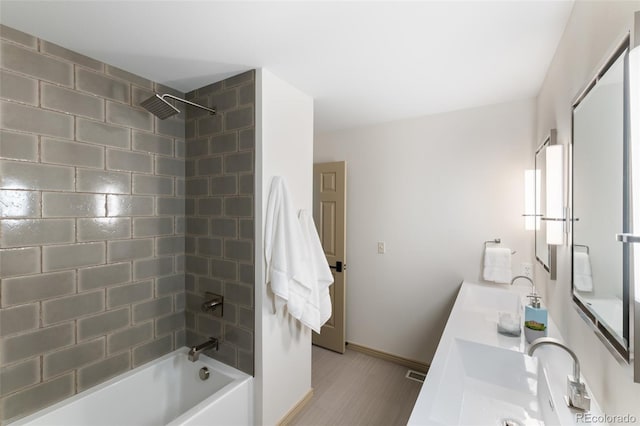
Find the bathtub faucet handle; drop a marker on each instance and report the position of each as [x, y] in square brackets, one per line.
[214, 303]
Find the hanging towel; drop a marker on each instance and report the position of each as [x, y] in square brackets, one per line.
[497, 264]
[285, 250]
[582, 278]
[318, 308]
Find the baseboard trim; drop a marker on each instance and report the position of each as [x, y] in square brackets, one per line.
[295, 410]
[409, 363]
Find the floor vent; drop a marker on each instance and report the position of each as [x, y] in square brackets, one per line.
[415, 375]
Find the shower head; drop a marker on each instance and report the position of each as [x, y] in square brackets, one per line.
[158, 106]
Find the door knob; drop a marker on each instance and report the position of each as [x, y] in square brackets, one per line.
[339, 267]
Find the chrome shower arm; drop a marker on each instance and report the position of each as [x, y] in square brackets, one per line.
[184, 101]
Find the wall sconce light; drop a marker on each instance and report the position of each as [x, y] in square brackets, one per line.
[555, 215]
[531, 200]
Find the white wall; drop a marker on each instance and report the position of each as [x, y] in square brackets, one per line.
[433, 189]
[592, 32]
[284, 147]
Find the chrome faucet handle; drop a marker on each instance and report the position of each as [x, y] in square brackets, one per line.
[213, 304]
[577, 396]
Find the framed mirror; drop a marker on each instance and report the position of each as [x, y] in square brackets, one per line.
[601, 176]
[541, 246]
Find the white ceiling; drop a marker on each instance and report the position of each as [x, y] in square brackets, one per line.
[362, 62]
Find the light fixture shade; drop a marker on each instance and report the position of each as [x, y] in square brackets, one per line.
[531, 200]
[555, 194]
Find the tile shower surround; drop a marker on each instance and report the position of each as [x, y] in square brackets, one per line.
[92, 222]
[220, 217]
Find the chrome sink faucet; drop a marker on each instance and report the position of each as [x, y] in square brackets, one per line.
[577, 396]
[194, 352]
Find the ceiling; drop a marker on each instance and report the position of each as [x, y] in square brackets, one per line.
[363, 62]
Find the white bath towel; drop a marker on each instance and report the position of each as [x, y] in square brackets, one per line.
[318, 308]
[285, 250]
[497, 264]
[582, 279]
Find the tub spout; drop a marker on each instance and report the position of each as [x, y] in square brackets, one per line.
[194, 352]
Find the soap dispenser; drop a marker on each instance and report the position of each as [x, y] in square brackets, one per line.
[535, 319]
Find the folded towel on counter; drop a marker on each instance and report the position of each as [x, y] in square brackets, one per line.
[286, 252]
[318, 308]
[582, 279]
[497, 264]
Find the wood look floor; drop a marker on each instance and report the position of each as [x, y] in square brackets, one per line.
[357, 389]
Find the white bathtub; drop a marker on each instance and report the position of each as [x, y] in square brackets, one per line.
[167, 391]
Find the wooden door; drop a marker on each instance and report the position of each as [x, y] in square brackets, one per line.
[330, 216]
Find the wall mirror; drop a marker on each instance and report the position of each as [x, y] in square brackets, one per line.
[600, 157]
[541, 246]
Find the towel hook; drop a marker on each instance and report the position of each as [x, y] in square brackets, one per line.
[496, 241]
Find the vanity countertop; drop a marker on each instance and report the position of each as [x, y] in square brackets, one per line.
[474, 319]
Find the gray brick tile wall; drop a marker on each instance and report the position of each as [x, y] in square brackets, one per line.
[35, 65]
[103, 370]
[129, 161]
[33, 288]
[103, 182]
[72, 358]
[152, 185]
[61, 204]
[21, 261]
[130, 293]
[100, 85]
[36, 397]
[19, 375]
[219, 206]
[155, 267]
[102, 324]
[28, 119]
[125, 115]
[150, 142]
[19, 37]
[102, 133]
[31, 232]
[82, 169]
[22, 346]
[19, 318]
[131, 78]
[14, 87]
[154, 349]
[127, 205]
[18, 146]
[35, 176]
[129, 249]
[71, 102]
[130, 337]
[21, 204]
[72, 307]
[103, 229]
[76, 58]
[171, 127]
[71, 153]
[72, 256]
[148, 226]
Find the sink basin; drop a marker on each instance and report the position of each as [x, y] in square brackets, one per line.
[488, 300]
[487, 385]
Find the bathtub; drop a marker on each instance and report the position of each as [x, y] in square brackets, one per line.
[166, 391]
